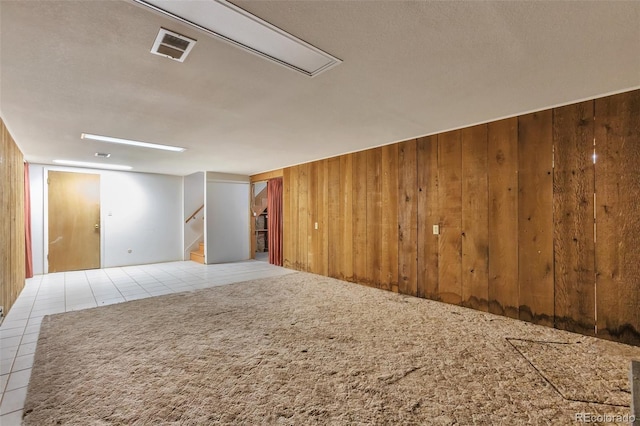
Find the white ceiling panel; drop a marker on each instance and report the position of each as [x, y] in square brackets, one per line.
[409, 69]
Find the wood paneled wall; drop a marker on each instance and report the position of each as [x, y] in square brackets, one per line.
[12, 230]
[530, 226]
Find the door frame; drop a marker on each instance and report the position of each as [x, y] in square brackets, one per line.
[45, 211]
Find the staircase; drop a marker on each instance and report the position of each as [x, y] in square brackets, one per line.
[260, 202]
[198, 256]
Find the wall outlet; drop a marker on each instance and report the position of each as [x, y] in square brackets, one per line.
[436, 229]
[316, 225]
[1, 311]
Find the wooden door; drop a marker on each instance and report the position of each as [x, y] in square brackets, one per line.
[74, 221]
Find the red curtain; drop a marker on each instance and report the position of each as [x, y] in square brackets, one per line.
[27, 223]
[274, 223]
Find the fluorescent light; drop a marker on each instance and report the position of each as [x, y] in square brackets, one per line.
[228, 22]
[92, 165]
[130, 142]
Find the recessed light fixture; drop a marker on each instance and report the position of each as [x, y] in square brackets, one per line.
[228, 22]
[92, 165]
[130, 142]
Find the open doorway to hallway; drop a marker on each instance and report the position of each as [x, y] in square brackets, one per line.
[259, 207]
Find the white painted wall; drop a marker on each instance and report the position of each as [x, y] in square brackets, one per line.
[138, 212]
[227, 218]
[141, 212]
[193, 199]
[36, 180]
[258, 187]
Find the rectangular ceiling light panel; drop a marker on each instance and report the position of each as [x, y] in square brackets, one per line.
[92, 165]
[228, 22]
[132, 142]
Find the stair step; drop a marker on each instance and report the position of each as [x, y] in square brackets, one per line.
[201, 249]
[197, 257]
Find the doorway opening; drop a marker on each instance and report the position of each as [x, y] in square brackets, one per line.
[266, 209]
[259, 207]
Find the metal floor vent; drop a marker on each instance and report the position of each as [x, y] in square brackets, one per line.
[172, 45]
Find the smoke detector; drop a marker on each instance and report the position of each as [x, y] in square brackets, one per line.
[172, 45]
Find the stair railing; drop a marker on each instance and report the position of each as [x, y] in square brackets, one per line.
[259, 203]
[193, 216]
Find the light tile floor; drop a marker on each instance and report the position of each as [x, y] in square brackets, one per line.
[71, 291]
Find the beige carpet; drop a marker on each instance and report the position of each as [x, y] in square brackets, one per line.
[305, 349]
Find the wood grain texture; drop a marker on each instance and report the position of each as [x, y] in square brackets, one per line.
[346, 216]
[303, 217]
[450, 207]
[502, 161]
[574, 245]
[428, 215]
[502, 217]
[389, 261]
[287, 224]
[322, 212]
[12, 220]
[295, 217]
[260, 177]
[334, 234]
[313, 260]
[535, 218]
[374, 216]
[617, 130]
[74, 212]
[475, 218]
[408, 218]
[360, 272]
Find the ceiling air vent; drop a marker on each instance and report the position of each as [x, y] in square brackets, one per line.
[172, 45]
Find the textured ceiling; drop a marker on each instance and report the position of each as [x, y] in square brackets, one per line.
[410, 69]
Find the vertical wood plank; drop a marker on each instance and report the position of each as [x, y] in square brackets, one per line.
[574, 246]
[428, 216]
[322, 209]
[503, 217]
[450, 207]
[535, 218]
[617, 178]
[374, 216]
[5, 230]
[295, 222]
[303, 217]
[287, 234]
[475, 218]
[408, 218]
[346, 215]
[12, 225]
[360, 273]
[313, 261]
[5, 223]
[389, 261]
[295, 217]
[335, 253]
